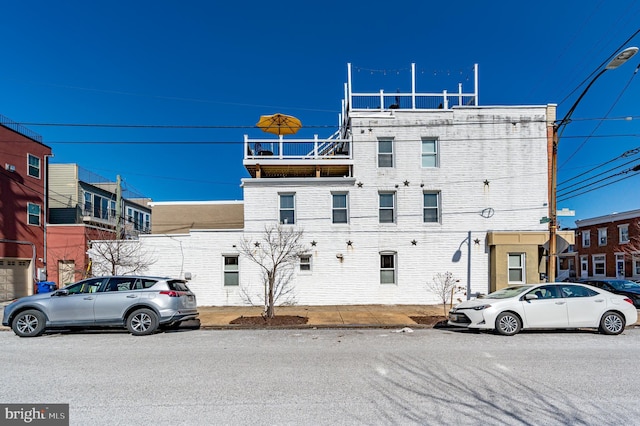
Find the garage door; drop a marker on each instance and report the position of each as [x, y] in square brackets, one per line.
[14, 279]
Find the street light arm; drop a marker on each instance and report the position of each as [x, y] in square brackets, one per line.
[567, 117]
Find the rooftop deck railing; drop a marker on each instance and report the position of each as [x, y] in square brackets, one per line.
[381, 101]
[297, 149]
[7, 122]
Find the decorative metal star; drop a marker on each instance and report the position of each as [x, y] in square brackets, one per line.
[313, 243]
[257, 244]
[406, 183]
[360, 184]
[349, 243]
[477, 241]
[414, 243]
[486, 182]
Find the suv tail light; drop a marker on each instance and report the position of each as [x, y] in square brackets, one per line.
[172, 293]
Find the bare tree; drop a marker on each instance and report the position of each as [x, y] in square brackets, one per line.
[444, 285]
[119, 257]
[276, 251]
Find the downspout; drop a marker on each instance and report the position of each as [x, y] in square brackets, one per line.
[46, 211]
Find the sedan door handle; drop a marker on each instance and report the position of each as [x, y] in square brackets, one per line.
[88, 298]
[560, 303]
[599, 300]
[132, 296]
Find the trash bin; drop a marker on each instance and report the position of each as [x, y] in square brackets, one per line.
[46, 286]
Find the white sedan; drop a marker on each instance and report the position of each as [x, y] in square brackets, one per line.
[549, 305]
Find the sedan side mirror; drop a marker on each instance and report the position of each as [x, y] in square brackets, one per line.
[530, 296]
[61, 293]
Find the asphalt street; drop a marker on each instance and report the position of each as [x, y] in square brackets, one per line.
[327, 376]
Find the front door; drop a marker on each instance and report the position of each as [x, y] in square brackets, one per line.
[620, 266]
[549, 310]
[584, 267]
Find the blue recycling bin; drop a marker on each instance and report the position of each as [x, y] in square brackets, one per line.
[46, 286]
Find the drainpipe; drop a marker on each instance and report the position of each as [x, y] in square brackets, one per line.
[46, 210]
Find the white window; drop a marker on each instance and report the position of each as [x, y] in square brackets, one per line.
[305, 263]
[34, 166]
[385, 153]
[599, 265]
[287, 209]
[586, 238]
[517, 267]
[431, 207]
[33, 213]
[387, 207]
[602, 236]
[387, 268]
[88, 209]
[231, 270]
[429, 152]
[339, 213]
[623, 233]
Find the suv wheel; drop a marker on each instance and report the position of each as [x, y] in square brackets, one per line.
[29, 323]
[142, 322]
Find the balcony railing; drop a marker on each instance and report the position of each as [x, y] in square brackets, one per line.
[297, 149]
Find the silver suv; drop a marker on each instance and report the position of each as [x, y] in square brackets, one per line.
[141, 304]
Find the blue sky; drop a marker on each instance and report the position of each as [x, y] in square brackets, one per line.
[223, 64]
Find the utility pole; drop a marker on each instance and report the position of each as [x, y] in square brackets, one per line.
[118, 207]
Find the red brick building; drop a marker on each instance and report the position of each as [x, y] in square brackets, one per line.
[23, 206]
[609, 246]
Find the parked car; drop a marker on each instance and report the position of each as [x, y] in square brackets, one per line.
[625, 287]
[551, 305]
[138, 303]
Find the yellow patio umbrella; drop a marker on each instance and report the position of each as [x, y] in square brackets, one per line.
[279, 124]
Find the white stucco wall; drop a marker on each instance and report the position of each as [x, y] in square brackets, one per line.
[504, 146]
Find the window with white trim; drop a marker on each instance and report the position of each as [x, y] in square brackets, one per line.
[636, 265]
[431, 207]
[516, 267]
[287, 209]
[623, 233]
[339, 212]
[385, 152]
[305, 263]
[429, 152]
[387, 267]
[599, 265]
[231, 270]
[602, 236]
[33, 214]
[387, 207]
[586, 238]
[33, 164]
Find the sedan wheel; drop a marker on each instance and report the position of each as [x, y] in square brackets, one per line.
[28, 323]
[508, 324]
[612, 323]
[142, 322]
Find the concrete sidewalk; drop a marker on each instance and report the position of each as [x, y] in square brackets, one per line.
[325, 316]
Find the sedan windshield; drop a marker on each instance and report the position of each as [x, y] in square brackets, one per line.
[508, 292]
[625, 285]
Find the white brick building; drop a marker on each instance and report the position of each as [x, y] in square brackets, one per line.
[412, 185]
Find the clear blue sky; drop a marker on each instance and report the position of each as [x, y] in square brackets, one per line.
[211, 63]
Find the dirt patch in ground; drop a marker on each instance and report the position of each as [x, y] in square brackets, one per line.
[279, 320]
[433, 321]
[294, 320]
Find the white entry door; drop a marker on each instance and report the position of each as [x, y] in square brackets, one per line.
[584, 267]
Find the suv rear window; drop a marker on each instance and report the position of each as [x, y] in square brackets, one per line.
[177, 285]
